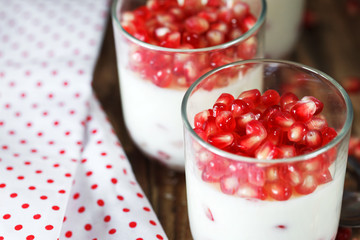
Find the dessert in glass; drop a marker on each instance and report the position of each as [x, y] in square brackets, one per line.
[283, 27]
[268, 162]
[163, 47]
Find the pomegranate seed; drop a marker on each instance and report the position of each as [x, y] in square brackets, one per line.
[162, 32]
[267, 151]
[221, 140]
[162, 78]
[235, 33]
[297, 131]
[215, 37]
[210, 126]
[225, 121]
[248, 22]
[225, 14]
[316, 123]
[249, 143]
[324, 177]
[209, 14]
[226, 99]
[196, 25]
[287, 100]
[270, 97]
[319, 105]
[308, 185]
[214, 170]
[275, 135]
[203, 157]
[252, 97]
[249, 191]
[256, 176]
[328, 134]
[172, 40]
[282, 119]
[209, 214]
[244, 119]
[239, 107]
[313, 138]
[287, 151]
[351, 84]
[311, 165]
[293, 176]
[214, 3]
[219, 107]
[220, 26]
[219, 59]
[303, 110]
[229, 184]
[240, 10]
[269, 112]
[201, 118]
[279, 190]
[343, 233]
[247, 49]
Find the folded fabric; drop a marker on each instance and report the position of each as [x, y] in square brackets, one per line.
[63, 173]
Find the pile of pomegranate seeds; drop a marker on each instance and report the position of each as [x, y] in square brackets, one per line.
[265, 126]
[166, 24]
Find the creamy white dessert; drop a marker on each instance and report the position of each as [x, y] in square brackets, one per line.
[214, 215]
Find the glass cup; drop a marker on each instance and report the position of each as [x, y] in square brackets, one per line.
[237, 197]
[283, 27]
[153, 79]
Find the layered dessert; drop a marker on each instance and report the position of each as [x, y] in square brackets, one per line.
[162, 48]
[261, 174]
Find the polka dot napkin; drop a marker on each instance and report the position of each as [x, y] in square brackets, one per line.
[63, 173]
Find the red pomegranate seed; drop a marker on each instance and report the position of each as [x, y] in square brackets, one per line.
[234, 34]
[252, 97]
[240, 10]
[244, 119]
[282, 119]
[287, 100]
[308, 185]
[218, 59]
[270, 97]
[303, 110]
[203, 157]
[226, 99]
[287, 151]
[172, 40]
[248, 143]
[311, 165]
[215, 37]
[313, 138]
[256, 176]
[196, 25]
[275, 136]
[209, 14]
[293, 176]
[220, 26]
[255, 127]
[247, 49]
[269, 112]
[162, 32]
[279, 190]
[225, 14]
[229, 184]
[328, 134]
[351, 84]
[248, 22]
[319, 105]
[317, 123]
[250, 191]
[201, 118]
[343, 233]
[267, 151]
[221, 140]
[324, 177]
[214, 170]
[219, 107]
[225, 121]
[239, 107]
[297, 131]
[210, 126]
[162, 78]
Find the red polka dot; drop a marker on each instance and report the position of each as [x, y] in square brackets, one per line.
[132, 224]
[55, 208]
[100, 202]
[43, 197]
[49, 227]
[2, 185]
[139, 239]
[112, 231]
[107, 218]
[32, 188]
[159, 237]
[114, 180]
[37, 216]
[109, 166]
[89, 173]
[18, 227]
[152, 222]
[94, 186]
[6, 216]
[68, 234]
[20, 177]
[76, 196]
[140, 195]
[25, 205]
[103, 154]
[62, 191]
[81, 209]
[121, 198]
[30, 237]
[126, 210]
[88, 227]
[13, 195]
[146, 209]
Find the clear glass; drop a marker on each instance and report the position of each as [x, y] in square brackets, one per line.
[217, 214]
[152, 111]
[283, 27]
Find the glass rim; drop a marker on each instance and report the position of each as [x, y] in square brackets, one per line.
[259, 22]
[341, 135]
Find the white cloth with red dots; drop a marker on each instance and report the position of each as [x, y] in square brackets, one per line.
[63, 172]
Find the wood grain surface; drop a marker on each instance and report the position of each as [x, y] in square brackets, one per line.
[330, 42]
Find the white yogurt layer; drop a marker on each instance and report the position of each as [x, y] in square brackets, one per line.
[153, 118]
[311, 217]
[283, 23]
